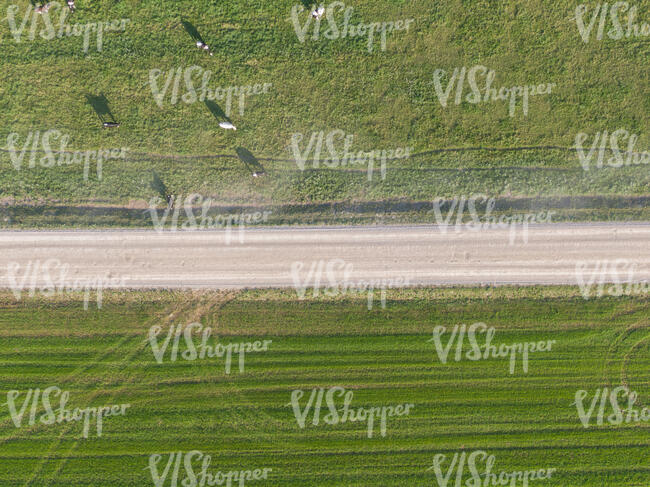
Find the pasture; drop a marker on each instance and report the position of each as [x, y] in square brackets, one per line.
[299, 88]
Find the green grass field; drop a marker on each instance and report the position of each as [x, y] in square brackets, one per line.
[526, 421]
[385, 99]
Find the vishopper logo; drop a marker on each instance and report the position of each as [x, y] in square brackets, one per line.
[194, 221]
[18, 408]
[486, 350]
[348, 414]
[460, 206]
[346, 29]
[201, 477]
[489, 94]
[603, 143]
[609, 277]
[196, 74]
[604, 398]
[479, 467]
[622, 21]
[36, 142]
[52, 277]
[334, 277]
[202, 349]
[49, 30]
[344, 158]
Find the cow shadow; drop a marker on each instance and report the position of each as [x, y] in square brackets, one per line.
[216, 111]
[159, 187]
[99, 103]
[250, 161]
[192, 31]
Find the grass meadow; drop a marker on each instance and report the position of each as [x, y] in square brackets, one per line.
[385, 99]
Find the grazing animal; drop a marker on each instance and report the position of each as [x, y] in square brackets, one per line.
[71, 5]
[43, 8]
[227, 126]
[318, 12]
[204, 46]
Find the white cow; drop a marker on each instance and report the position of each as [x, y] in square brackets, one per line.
[42, 8]
[227, 126]
[318, 12]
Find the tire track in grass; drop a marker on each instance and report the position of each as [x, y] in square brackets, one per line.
[616, 365]
[74, 374]
[66, 428]
[67, 380]
[211, 312]
[612, 357]
[192, 313]
[626, 362]
[139, 156]
[261, 411]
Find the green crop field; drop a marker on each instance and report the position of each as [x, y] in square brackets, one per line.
[386, 357]
[385, 99]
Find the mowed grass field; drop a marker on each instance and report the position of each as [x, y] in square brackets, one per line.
[527, 421]
[385, 99]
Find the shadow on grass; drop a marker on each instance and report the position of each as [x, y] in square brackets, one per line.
[192, 31]
[342, 212]
[159, 187]
[250, 161]
[216, 111]
[100, 105]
